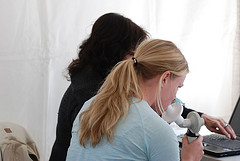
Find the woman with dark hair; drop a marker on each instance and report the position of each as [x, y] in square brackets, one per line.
[113, 38]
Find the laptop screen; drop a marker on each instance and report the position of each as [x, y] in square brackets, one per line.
[235, 118]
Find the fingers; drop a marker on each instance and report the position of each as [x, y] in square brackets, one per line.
[185, 140]
[226, 129]
[220, 129]
[219, 126]
[193, 150]
[200, 138]
[230, 131]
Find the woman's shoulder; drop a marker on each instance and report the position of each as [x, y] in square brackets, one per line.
[150, 120]
[157, 133]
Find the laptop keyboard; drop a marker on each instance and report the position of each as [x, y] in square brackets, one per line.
[221, 140]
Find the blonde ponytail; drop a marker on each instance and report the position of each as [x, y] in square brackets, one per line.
[110, 104]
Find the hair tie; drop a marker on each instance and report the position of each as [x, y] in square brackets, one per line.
[135, 61]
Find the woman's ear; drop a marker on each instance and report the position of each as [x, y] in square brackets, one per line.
[165, 78]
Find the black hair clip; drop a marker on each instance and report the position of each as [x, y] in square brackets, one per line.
[135, 61]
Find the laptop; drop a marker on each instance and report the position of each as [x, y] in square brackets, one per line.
[219, 145]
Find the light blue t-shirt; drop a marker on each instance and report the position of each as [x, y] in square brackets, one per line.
[143, 136]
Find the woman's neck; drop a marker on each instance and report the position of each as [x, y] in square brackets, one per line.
[149, 89]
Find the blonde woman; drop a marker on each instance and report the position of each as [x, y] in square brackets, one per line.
[122, 121]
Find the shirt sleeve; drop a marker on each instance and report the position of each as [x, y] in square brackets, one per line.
[185, 110]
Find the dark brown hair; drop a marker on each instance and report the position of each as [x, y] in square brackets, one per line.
[113, 36]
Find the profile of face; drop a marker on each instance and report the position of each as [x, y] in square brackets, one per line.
[169, 88]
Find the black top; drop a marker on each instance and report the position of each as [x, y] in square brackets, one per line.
[84, 85]
[187, 110]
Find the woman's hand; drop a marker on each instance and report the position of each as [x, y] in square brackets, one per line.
[218, 126]
[192, 151]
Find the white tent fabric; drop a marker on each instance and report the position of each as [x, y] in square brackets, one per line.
[39, 38]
